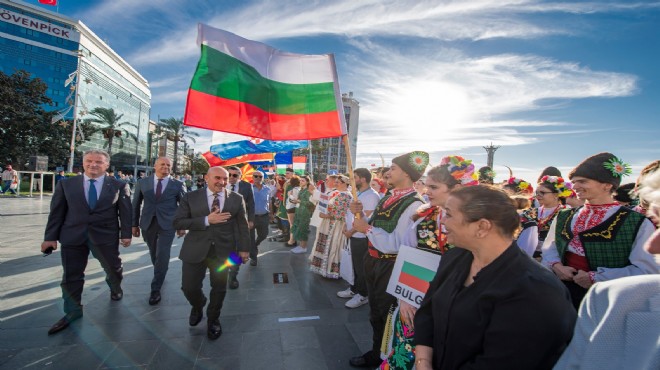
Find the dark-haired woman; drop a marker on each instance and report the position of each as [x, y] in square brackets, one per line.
[291, 204]
[425, 234]
[300, 229]
[490, 306]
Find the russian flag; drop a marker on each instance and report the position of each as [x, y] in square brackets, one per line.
[227, 146]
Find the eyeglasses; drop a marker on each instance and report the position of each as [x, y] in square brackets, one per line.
[257, 176]
[234, 175]
[542, 193]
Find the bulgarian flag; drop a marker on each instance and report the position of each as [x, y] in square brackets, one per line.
[416, 276]
[249, 88]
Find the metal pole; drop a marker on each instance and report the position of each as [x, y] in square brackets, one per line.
[75, 116]
[137, 142]
[311, 169]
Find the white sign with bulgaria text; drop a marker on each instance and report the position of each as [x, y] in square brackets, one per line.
[413, 271]
[39, 25]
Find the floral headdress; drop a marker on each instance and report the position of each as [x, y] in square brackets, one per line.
[618, 167]
[521, 185]
[461, 169]
[563, 188]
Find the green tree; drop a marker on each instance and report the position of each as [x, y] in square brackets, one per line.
[199, 164]
[25, 124]
[108, 123]
[176, 132]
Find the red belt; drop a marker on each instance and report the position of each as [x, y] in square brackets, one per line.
[375, 253]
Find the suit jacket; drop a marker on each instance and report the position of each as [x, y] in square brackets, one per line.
[617, 327]
[162, 209]
[72, 222]
[224, 237]
[245, 189]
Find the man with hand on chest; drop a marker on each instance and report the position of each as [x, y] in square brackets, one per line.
[217, 225]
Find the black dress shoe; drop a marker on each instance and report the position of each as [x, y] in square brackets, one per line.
[253, 261]
[196, 314]
[233, 283]
[366, 360]
[64, 322]
[214, 329]
[154, 298]
[117, 296]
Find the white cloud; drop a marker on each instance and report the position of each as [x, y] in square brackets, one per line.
[449, 102]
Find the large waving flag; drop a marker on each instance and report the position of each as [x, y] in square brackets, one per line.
[213, 160]
[249, 88]
[227, 146]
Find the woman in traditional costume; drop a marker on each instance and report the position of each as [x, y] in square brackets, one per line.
[551, 193]
[424, 234]
[325, 258]
[602, 240]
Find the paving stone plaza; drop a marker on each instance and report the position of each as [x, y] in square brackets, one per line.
[266, 324]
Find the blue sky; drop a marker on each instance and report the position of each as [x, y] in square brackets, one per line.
[551, 82]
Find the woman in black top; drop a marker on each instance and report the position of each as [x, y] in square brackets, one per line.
[490, 306]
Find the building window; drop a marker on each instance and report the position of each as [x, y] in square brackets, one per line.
[27, 62]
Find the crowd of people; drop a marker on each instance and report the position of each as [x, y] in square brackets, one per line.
[517, 261]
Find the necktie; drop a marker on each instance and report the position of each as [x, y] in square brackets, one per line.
[159, 188]
[233, 187]
[215, 206]
[91, 195]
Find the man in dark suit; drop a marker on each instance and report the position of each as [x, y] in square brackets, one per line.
[161, 195]
[91, 212]
[245, 189]
[217, 224]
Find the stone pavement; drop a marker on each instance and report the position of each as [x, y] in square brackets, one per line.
[298, 325]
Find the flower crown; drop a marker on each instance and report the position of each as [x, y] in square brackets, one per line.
[461, 169]
[618, 167]
[563, 188]
[522, 186]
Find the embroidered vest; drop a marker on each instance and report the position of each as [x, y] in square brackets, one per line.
[388, 218]
[608, 244]
[430, 237]
[528, 218]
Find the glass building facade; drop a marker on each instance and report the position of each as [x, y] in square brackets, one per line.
[55, 48]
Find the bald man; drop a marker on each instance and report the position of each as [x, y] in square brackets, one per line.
[155, 200]
[217, 223]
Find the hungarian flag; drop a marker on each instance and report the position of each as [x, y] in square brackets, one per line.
[213, 160]
[249, 88]
[299, 164]
[48, 2]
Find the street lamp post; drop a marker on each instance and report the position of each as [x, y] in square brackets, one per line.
[75, 112]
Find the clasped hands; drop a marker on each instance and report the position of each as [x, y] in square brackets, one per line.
[568, 273]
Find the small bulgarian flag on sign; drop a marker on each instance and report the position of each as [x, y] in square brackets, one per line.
[415, 276]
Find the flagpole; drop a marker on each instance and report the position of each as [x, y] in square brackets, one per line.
[349, 166]
[311, 168]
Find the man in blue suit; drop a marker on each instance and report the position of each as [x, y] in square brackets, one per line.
[88, 213]
[244, 188]
[160, 195]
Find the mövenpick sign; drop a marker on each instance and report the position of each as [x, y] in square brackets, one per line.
[39, 25]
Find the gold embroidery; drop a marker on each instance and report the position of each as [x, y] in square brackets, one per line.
[607, 234]
[567, 224]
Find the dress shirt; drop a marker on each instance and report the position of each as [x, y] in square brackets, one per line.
[166, 179]
[98, 185]
[261, 200]
[209, 201]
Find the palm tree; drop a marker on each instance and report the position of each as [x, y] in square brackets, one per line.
[108, 124]
[176, 132]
